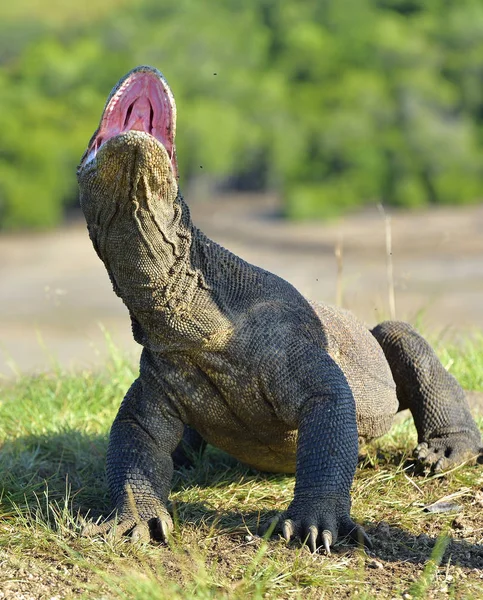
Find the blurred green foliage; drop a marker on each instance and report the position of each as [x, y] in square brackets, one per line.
[333, 103]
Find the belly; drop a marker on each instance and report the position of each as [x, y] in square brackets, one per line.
[227, 406]
[246, 427]
[273, 453]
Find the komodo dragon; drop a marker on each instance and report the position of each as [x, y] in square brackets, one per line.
[234, 355]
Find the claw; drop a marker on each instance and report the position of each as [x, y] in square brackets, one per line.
[111, 528]
[327, 541]
[440, 465]
[312, 538]
[165, 530]
[422, 450]
[360, 537]
[288, 530]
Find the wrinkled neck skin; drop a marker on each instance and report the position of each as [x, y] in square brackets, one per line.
[142, 230]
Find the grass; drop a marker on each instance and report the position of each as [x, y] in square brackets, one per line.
[53, 434]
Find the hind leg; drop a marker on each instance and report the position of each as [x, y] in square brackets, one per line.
[447, 433]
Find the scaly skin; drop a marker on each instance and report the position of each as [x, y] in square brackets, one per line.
[235, 352]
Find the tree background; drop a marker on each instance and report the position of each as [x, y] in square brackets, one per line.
[333, 104]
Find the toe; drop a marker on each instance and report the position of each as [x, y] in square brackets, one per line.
[89, 530]
[115, 530]
[94, 529]
[422, 450]
[441, 464]
[140, 533]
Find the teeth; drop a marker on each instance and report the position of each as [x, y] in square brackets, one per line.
[91, 155]
[115, 99]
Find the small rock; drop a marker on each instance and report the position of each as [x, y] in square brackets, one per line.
[442, 507]
[375, 564]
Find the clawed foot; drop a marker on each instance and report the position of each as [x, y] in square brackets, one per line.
[318, 527]
[453, 449]
[156, 528]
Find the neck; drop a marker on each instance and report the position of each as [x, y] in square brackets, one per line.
[154, 263]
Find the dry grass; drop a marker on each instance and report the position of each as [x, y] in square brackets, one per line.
[53, 430]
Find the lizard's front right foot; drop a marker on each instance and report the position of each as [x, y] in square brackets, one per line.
[157, 528]
[318, 523]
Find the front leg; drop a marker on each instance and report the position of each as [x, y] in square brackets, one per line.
[315, 396]
[143, 436]
[326, 462]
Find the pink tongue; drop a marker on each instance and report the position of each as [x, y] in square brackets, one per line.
[140, 116]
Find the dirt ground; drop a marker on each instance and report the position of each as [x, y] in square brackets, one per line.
[54, 291]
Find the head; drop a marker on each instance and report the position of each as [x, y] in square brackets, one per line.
[128, 174]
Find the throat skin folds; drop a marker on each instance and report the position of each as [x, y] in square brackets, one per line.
[158, 261]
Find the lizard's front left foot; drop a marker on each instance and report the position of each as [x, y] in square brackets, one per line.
[319, 522]
[444, 452]
[157, 527]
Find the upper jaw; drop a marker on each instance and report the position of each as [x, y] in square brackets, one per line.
[141, 101]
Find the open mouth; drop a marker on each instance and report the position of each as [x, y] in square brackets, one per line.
[141, 102]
